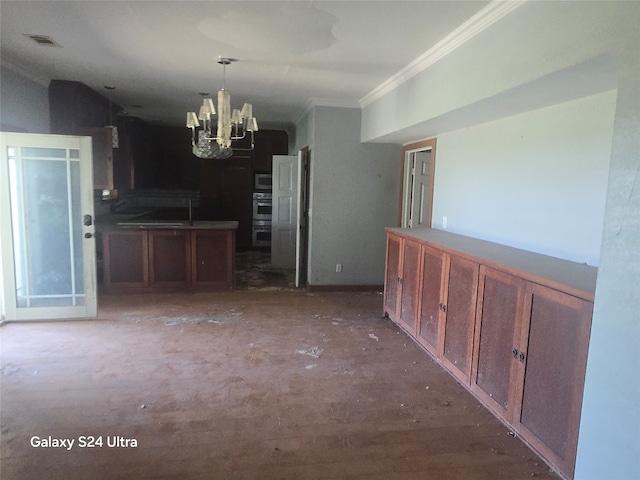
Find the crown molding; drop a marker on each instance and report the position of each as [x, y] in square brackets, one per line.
[482, 20]
[324, 102]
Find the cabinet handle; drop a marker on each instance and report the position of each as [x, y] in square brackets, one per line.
[522, 357]
[400, 280]
[515, 353]
[444, 308]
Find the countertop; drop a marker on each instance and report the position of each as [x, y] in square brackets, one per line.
[167, 225]
[580, 278]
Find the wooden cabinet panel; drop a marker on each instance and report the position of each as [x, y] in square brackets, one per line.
[515, 338]
[409, 289]
[163, 259]
[392, 275]
[169, 257]
[102, 156]
[126, 259]
[432, 298]
[498, 317]
[554, 344]
[462, 289]
[403, 273]
[210, 251]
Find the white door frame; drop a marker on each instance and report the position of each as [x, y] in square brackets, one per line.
[8, 302]
[408, 154]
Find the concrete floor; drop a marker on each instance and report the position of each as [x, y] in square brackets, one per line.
[247, 384]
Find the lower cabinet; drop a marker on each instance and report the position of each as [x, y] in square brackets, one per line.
[126, 258]
[552, 362]
[497, 332]
[168, 259]
[213, 258]
[460, 310]
[403, 274]
[433, 269]
[519, 345]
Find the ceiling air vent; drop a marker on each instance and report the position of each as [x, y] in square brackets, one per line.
[43, 40]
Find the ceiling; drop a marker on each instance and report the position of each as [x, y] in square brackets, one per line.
[160, 54]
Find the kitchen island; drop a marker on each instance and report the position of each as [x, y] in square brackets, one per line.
[149, 256]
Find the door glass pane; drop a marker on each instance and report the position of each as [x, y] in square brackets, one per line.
[45, 214]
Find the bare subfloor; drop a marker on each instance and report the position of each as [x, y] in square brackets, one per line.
[242, 385]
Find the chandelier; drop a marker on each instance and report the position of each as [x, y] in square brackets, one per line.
[232, 125]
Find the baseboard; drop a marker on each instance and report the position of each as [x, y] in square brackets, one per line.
[345, 288]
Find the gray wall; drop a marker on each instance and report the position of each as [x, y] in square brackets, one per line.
[609, 444]
[351, 184]
[24, 103]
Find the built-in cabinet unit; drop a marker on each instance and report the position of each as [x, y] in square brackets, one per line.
[168, 259]
[512, 326]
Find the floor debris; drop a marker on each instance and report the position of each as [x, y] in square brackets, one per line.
[371, 335]
[314, 352]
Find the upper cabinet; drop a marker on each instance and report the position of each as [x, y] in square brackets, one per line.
[75, 109]
[102, 156]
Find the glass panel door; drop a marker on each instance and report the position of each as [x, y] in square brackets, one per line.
[46, 227]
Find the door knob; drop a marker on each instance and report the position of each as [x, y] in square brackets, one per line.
[88, 235]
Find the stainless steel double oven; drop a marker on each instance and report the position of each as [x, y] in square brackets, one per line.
[261, 228]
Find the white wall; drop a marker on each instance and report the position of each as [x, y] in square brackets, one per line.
[533, 57]
[351, 184]
[24, 103]
[535, 181]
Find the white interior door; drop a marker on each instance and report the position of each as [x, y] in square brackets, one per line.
[47, 249]
[284, 212]
[416, 207]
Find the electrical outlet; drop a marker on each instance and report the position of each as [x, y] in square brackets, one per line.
[338, 267]
[444, 222]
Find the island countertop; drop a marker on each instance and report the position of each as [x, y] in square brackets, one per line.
[169, 225]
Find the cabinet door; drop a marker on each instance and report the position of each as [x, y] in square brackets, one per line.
[409, 285]
[432, 298]
[102, 157]
[460, 305]
[126, 259]
[554, 344]
[498, 318]
[212, 258]
[169, 258]
[392, 276]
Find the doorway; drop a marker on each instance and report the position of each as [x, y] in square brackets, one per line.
[418, 169]
[47, 249]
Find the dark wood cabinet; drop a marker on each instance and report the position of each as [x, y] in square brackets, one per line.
[267, 144]
[126, 259]
[101, 140]
[512, 326]
[213, 258]
[169, 258]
